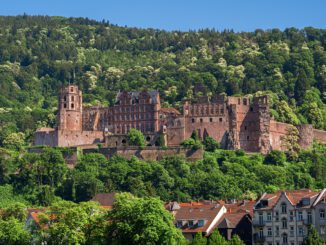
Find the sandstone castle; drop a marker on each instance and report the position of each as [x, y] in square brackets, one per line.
[235, 122]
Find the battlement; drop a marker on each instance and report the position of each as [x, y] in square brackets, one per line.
[235, 122]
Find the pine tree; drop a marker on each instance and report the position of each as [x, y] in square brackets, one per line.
[301, 85]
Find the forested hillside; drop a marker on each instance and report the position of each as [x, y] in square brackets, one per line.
[38, 54]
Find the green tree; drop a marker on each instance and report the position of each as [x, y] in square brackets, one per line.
[275, 157]
[199, 239]
[236, 240]
[301, 85]
[141, 221]
[210, 144]
[136, 137]
[12, 232]
[216, 239]
[313, 237]
[14, 141]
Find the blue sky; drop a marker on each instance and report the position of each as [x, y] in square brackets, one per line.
[240, 15]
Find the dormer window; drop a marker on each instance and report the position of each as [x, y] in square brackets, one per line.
[283, 207]
[191, 223]
[305, 201]
[201, 223]
[179, 223]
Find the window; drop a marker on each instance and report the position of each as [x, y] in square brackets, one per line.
[72, 106]
[276, 215]
[251, 109]
[261, 219]
[65, 98]
[71, 89]
[300, 231]
[261, 232]
[239, 102]
[285, 238]
[245, 127]
[201, 120]
[269, 216]
[291, 215]
[283, 205]
[309, 215]
[179, 223]
[269, 231]
[277, 230]
[191, 223]
[322, 214]
[211, 119]
[284, 223]
[64, 105]
[247, 137]
[72, 98]
[291, 231]
[201, 223]
[221, 119]
[245, 101]
[300, 217]
[193, 120]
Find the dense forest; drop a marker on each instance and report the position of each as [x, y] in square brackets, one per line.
[38, 54]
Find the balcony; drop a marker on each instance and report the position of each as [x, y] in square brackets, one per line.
[259, 223]
[258, 238]
[304, 221]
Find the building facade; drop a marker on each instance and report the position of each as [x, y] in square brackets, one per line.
[235, 122]
[283, 217]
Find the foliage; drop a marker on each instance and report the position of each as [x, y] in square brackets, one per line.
[313, 238]
[136, 138]
[142, 221]
[210, 144]
[12, 232]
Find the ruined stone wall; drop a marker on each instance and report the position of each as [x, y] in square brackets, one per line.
[306, 135]
[277, 131]
[149, 153]
[320, 135]
[68, 138]
[46, 138]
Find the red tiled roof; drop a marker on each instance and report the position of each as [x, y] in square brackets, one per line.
[197, 211]
[170, 110]
[294, 196]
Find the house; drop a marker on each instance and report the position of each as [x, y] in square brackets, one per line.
[283, 217]
[230, 218]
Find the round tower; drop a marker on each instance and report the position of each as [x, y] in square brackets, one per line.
[70, 109]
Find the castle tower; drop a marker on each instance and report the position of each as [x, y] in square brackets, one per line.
[70, 109]
[261, 106]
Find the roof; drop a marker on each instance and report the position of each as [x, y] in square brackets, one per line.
[106, 200]
[235, 213]
[170, 110]
[197, 211]
[294, 196]
[135, 96]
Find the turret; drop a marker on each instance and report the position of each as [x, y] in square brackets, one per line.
[70, 109]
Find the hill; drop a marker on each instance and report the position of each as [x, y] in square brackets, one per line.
[39, 53]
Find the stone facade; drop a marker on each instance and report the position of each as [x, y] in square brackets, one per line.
[235, 122]
[284, 217]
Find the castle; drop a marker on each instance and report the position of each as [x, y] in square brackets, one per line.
[235, 122]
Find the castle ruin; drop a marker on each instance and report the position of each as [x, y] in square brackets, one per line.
[235, 122]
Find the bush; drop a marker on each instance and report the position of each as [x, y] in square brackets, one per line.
[136, 138]
[211, 144]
